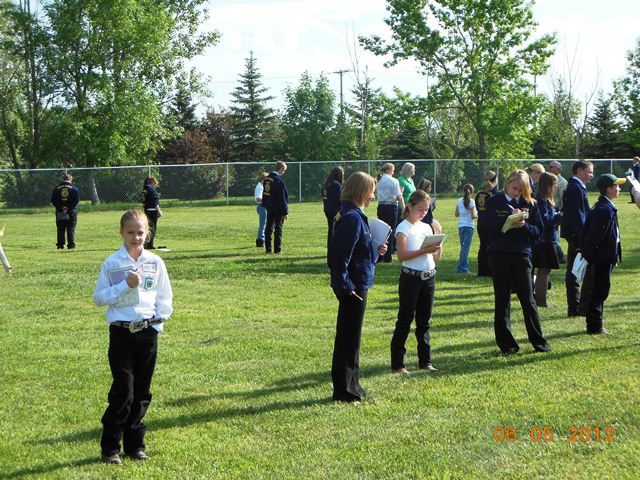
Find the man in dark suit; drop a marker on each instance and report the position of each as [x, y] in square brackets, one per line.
[575, 207]
[65, 198]
[601, 248]
[276, 200]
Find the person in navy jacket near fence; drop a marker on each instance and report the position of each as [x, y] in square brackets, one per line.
[351, 259]
[575, 207]
[331, 191]
[510, 261]
[65, 198]
[601, 248]
[276, 200]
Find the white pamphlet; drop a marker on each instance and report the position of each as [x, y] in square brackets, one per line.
[579, 267]
[634, 183]
[130, 296]
[380, 232]
[433, 239]
[512, 219]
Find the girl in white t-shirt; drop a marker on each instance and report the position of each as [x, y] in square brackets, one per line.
[466, 213]
[417, 283]
[262, 212]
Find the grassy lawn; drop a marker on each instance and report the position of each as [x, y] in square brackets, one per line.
[242, 386]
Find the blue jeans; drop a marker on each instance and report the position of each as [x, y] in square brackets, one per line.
[466, 236]
[262, 221]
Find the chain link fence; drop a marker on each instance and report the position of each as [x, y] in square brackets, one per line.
[234, 183]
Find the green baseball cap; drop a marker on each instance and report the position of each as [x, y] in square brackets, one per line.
[607, 180]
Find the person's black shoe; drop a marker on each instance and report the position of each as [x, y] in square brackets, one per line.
[542, 348]
[601, 331]
[112, 459]
[259, 243]
[549, 285]
[510, 351]
[59, 247]
[149, 248]
[572, 313]
[139, 455]
[268, 252]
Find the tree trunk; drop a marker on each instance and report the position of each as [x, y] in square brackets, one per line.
[93, 192]
[482, 146]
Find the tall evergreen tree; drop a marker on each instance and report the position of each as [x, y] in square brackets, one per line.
[253, 120]
[603, 140]
[628, 99]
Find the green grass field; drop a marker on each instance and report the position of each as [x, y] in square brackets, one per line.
[242, 387]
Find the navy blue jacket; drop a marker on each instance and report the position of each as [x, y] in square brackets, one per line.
[150, 197]
[351, 257]
[600, 234]
[275, 198]
[575, 207]
[481, 205]
[331, 198]
[550, 219]
[428, 218]
[636, 171]
[65, 195]
[515, 240]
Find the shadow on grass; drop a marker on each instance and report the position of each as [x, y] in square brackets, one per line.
[43, 469]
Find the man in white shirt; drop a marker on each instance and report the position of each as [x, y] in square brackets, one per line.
[389, 199]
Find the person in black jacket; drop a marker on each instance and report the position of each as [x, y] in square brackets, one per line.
[510, 261]
[331, 191]
[488, 189]
[151, 203]
[601, 248]
[352, 261]
[65, 198]
[575, 207]
[276, 200]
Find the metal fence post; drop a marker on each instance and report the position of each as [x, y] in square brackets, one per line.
[435, 176]
[300, 182]
[227, 180]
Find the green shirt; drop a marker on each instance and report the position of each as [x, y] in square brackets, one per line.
[407, 187]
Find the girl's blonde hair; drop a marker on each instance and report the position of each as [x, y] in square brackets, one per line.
[406, 168]
[358, 188]
[135, 215]
[490, 180]
[415, 198]
[262, 176]
[522, 178]
[545, 187]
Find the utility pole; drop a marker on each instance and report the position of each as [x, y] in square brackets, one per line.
[341, 73]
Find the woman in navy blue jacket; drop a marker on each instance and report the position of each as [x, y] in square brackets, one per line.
[510, 260]
[351, 260]
[545, 252]
[331, 191]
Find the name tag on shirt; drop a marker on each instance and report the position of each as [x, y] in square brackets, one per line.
[149, 268]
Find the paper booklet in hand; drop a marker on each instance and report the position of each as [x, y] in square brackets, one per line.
[130, 296]
[512, 219]
[380, 232]
[579, 267]
[433, 239]
[632, 180]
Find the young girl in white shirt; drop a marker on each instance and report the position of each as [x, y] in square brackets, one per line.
[134, 285]
[466, 213]
[417, 283]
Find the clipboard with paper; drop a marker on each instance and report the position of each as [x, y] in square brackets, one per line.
[434, 239]
[513, 219]
[380, 232]
[130, 296]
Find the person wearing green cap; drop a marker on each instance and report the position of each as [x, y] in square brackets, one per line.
[601, 248]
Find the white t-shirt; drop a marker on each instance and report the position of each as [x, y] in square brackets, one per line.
[388, 189]
[416, 233]
[465, 218]
[258, 191]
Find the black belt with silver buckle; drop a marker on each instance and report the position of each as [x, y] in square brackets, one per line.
[138, 325]
[423, 274]
[388, 203]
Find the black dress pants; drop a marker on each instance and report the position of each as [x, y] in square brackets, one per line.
[511, 272]
[346, 349]
[416, 300]
[132, 358]
[483, 256]
[577, 298]
[275, 221]
[600, 275]
[67, 227]
[389, 215]
[152, 217]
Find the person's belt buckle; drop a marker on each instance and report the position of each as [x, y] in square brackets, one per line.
[425, 275]
[137, 326]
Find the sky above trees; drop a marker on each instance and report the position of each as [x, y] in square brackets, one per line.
[292, 36]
